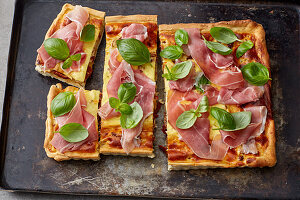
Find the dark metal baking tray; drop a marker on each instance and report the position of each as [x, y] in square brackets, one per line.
[25, 166]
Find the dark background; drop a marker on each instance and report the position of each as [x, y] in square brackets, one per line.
[24, 165]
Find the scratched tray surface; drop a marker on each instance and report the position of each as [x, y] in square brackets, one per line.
[25, 165]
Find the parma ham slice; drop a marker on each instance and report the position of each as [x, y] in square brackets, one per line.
[145, 95]
[196, 137]
[77, 115]
[136, 31]
[217, 68]
[70, 33]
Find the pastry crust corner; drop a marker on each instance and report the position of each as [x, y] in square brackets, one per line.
[49, 133]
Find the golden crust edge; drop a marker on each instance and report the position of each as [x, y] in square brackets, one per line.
[249, 26]
[267, 160]
[96, 13]
[136, 152]
[54, 89]
[131, 18]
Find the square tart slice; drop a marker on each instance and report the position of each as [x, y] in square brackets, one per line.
[75, 78]
[111, 131]
[180, 156]
[92, 99]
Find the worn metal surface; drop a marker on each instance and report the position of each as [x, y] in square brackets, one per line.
[24, 165]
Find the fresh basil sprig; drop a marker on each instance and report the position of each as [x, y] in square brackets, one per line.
[87, 34]
[178, 71]
[171, 52]
[188, 118]
[231, 121]
[132, 114]
[58, 49]
[217, 47]
[62, 103]
[243, 48]
[255, 73]
[132, 120]
[224, 35]
[200, 82]
[69, 61]
[227, 36]
[73, 132]
[225, 119]
[181, 37]
[133, 51]
[126, 94]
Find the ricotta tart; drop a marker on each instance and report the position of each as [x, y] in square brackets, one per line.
[70, 46]
[217, 86]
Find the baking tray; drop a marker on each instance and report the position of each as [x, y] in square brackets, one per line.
[25, 166]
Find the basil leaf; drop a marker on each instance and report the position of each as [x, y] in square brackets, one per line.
[179, 71]
[186, 120]
[200, 82]
[114, 102]
[224, 35]
[255, 73]
[76, 57]
[132, 120]
[67, 63]
[62, 103]
[203, 105]
[87, 33]
[124, 109]
[57, 48]
[242, 120]
[224, 118]
[181, 37]
[243, 48]
[217, 47]
[73, 132]
[133, 51]
[171, 52]
[126, 92]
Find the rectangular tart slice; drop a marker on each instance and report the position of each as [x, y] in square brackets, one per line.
[68, 26]
[66, 108]
[142, 28]
[219, 78]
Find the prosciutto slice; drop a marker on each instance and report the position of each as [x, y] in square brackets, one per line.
[145, 95]
[249, 147]
[217, 68]
[71, 35]
[197, 136]
[254, 129]
[236, 96]
[113, 62]
[81, 116]
[122, 74]
[240, 96]
[136, 31]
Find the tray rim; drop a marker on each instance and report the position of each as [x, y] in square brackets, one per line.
[12, 57]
